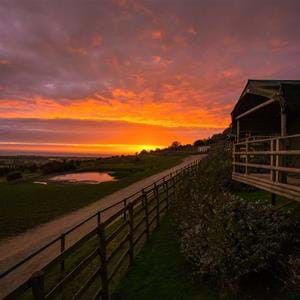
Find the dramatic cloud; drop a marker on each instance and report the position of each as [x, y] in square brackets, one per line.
[89, 136]
[178, 65]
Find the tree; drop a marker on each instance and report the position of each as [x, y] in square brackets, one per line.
[175, 145]
[13, 176]
[143, 152]
[199, 143]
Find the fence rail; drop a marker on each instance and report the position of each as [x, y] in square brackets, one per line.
[270, 163]
[90, 267]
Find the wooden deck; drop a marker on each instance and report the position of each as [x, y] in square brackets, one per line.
[266, 164]
[290, 190]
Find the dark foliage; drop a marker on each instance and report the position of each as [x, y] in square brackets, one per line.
[227, 238]
[57, 166]
[13, 176]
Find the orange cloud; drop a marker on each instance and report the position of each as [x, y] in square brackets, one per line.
[138, 108]
[119, 93]
[4, 62]
[97, 40]
[157, 34]
[78, 148]
[229, 73]
[278, 44]
[80, 51]
[157, 59]
[192, 31]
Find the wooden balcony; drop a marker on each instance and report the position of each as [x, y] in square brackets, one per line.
[269, 163]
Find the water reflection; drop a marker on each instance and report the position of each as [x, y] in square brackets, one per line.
[86, 177]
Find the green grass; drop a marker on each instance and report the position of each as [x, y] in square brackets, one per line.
[160, 272]
[24, 204]
[54, 274]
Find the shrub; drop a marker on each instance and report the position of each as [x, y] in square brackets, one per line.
[13, 176]
[5, 170]
[216, 169]
[57, 166]
[229, 239]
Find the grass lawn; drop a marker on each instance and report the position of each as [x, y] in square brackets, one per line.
[24, 204]
[159, 272]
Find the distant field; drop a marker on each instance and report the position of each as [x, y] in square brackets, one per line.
[25, 204]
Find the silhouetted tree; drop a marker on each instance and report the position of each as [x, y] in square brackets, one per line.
[143, 152]
[175, 145]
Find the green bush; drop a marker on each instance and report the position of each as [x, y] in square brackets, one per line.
[13, 176]
[58, 166]
[229, 239]
[216, 169]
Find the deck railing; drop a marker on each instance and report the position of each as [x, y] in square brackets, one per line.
[269, 160]
[89, 267]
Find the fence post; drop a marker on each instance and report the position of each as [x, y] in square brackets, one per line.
[234, 168]
[103, 257]
[125, 204]
[277, 160]
[272, 159]
[131, 233]
[62, 249]
[98, 218]
[174, 184]
[38, 289]
[157, 203]
[247, 157]
[167, 192]
[146, 214]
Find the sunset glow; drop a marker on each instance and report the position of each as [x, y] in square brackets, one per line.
[125, 75]
[76, 148]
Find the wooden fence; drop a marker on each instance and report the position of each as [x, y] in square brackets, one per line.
[92, 266]
[269, 163]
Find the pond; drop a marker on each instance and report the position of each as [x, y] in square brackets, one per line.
[83, 177]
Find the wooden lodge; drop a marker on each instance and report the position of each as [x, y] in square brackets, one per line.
[266, 126]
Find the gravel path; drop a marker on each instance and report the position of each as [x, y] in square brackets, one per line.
[14, 249]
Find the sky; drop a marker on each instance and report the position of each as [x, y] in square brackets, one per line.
[118, 76]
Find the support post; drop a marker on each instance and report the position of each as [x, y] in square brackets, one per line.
[237, 130]
[103, 259]
[277, 161]
[131, 233]
[38, 289]
[273, 199]
[98, 218]
[174, 187]
[247, 156]
[272, 160]
[125, 204]
[283, 176]
[157, 204]
[62, 249]
[234, 159]
[146, 214]
[167, 192]
[283, 123]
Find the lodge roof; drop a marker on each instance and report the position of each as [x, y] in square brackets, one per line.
[259, 91]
